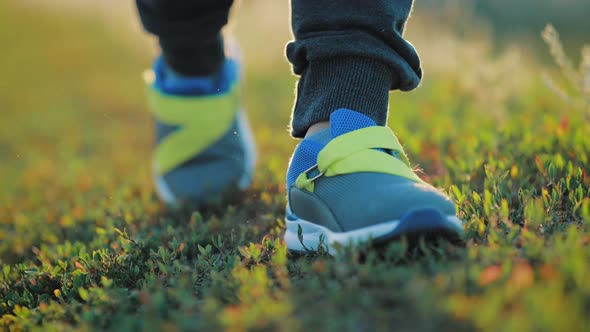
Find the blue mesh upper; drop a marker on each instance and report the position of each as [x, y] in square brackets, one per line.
[342, 121]
[305, 156]
[220, 82]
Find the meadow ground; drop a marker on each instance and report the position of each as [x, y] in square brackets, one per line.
[85, 244]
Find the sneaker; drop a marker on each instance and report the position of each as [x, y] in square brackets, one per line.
[204, 145]
[352, 183]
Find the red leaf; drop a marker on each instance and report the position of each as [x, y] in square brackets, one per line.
[489, 275]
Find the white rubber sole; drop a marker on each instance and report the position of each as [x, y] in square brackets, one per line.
[251, 154]
[163, 190]
[166, 194]
[314, 235]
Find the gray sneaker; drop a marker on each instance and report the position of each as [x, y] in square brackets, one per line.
[352, 183]
[204, 145]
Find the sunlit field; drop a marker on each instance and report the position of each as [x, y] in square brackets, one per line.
[86, 245]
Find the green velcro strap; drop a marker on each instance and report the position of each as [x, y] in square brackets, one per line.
[356, 152]
[375, 137]
[303, 182]
[371, 161]
[203, 121]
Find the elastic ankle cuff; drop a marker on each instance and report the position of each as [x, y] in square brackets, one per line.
[355, 83]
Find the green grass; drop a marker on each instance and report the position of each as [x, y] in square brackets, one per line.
[85, 244]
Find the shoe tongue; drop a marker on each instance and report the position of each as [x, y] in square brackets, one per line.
[344, 121]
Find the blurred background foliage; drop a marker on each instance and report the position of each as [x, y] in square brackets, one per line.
[515, 21]
[497, 124]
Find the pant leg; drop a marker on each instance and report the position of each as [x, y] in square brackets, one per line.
[349, 54]
[189, 32]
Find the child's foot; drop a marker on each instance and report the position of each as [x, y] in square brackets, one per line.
[204, 146]
[352, 183]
